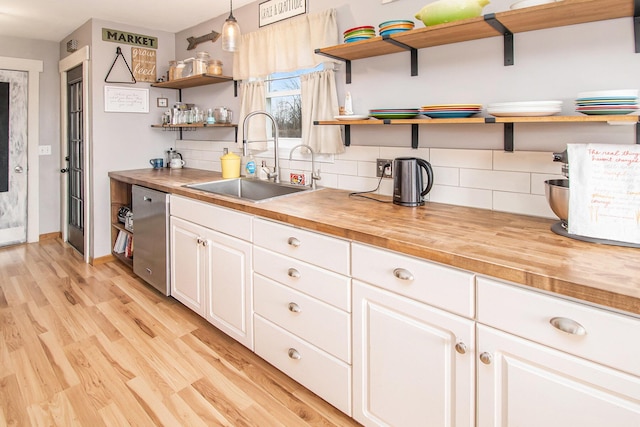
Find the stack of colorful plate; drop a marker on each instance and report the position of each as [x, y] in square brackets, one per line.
[394, 113]
[449, 111]
[397, 26]
[356, 34]
[606, 102]
[524, 108]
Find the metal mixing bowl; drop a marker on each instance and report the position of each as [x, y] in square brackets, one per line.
[557, 193]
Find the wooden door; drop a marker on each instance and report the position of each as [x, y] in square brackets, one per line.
[525, 384]
[228, 285]
[187, 268]
[406, 369]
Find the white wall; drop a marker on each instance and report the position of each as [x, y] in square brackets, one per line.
[470, 166]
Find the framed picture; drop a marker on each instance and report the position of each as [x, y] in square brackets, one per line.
[126, 100]
[272, 11]
[163, 102]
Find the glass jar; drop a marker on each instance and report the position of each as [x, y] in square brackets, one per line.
[200, 63]
[214, 67]
[172, 70]
[178, 71]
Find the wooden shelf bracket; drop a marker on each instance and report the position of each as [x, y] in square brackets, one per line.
[491, 19]
[413, 50]
[347, 63]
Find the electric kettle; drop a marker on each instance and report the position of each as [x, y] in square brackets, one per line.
[409, 188]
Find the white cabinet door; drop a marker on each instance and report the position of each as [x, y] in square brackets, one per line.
[413, 365]
[187, 269]
[228, 285]
[524, 384]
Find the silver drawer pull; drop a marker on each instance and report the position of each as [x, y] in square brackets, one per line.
[486, 358]
[292, 272]
[294, 242]
[293, 354]
[567, 325]
[294, 308]
[403, 274]
[461, 347]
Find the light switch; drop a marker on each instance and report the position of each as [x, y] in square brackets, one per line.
[44, 150]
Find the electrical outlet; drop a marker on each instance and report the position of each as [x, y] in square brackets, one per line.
[44, 150]
[381, 171]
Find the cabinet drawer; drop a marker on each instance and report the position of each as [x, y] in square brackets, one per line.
[315, 248]
[314, 321]
[421, 280]
[224, 220]
[327, 286]
[318, 371]
[608, 338]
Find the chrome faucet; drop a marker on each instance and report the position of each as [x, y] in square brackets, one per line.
[315, 176]
[275, 175]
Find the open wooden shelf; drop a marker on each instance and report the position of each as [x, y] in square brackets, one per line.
[508, 123]
[193, 81]
[550, 15]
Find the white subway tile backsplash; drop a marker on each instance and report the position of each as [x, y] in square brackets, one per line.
[446, 176]
[456, 158]
[461, 196]
[495, 180]
[486, 179]
[526, 161]
[527, 204]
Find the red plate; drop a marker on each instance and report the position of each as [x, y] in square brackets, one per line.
[364, 27]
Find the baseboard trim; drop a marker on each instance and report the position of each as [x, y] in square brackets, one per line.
[50, 236]
[102, 260]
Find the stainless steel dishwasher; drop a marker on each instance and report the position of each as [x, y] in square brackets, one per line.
[150, 236]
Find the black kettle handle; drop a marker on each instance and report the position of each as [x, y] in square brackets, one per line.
[427, 167]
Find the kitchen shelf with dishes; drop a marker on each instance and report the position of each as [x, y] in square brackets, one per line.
[508, 123]
[506, 24]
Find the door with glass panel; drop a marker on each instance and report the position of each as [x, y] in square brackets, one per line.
[75, 159]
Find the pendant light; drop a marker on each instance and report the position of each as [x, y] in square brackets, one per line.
[230, 32]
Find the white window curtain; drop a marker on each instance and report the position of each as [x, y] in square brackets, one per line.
[286, 46]
[253, 98]
[319, 100]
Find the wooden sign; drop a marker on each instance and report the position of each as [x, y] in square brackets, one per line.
[272, 11]
[109, 35]
[143, 62]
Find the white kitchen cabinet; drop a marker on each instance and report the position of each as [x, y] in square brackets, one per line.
[525, 384]
[211, 271]
[302, 303]
[548, 361]
[413, 363]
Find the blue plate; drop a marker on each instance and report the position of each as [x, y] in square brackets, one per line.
[356, 39]
[397, 30]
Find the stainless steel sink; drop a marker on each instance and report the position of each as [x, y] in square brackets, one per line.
[253, 190]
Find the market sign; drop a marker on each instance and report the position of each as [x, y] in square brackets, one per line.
[277, 10]
[116, 36]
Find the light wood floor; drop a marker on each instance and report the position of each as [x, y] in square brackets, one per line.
[94, 346]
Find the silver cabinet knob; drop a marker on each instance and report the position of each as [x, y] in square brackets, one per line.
[202, 241]
[292, 272]
[461, 347]
[294, 308]
[568, 325]
[292, 241]
[403, 274]
[294, 354]
[486, 358]
[18, 169]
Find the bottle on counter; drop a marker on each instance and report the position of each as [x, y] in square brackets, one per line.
[249, 166]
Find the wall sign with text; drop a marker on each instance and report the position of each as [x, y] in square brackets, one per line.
[272, 11]
[143, 62]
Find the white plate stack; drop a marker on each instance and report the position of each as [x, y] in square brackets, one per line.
[524, 108]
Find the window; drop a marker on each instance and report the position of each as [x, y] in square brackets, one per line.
[283, 102]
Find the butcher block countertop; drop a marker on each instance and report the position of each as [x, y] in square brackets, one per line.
[516, 248]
